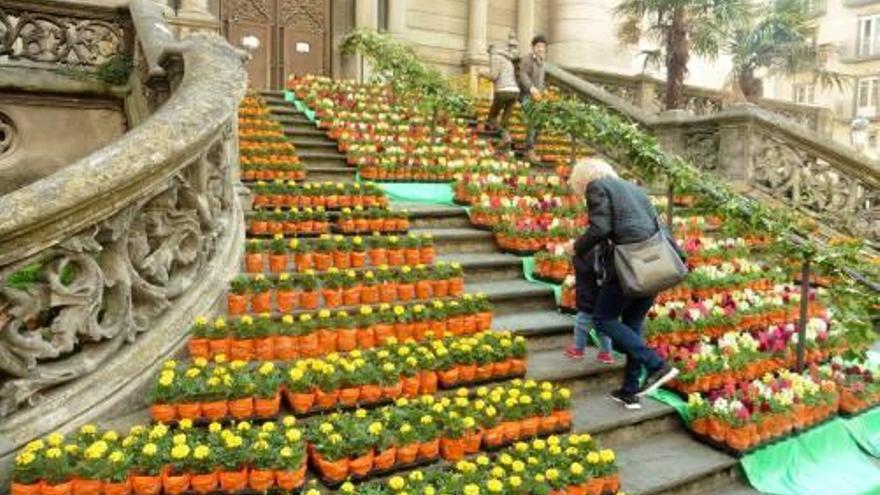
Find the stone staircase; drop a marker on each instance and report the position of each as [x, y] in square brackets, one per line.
[655, 453]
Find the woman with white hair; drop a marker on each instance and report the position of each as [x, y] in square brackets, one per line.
[620, 213]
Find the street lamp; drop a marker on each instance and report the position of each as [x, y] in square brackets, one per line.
[251, 43]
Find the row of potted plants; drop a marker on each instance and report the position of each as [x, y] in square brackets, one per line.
[150, 460]
[247, 337]
[426, 429]
[750, 414]
[567, 464]
[328, 195]
[334, 288]
[316, 221]
[858, 382]
[338, 251]
[264, 151]
[214, 390]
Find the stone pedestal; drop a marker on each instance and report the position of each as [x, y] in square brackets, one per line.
[525, 24]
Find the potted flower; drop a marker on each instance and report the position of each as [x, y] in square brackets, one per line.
[423, 285]
[378, 253]
[309, 296]
[27, 472]
[323, 257]
[204, 470]
[326, 331]
[163, 395]
[395, 251]
[452, 439]
[369, 291]
[278, 258]
[176, 475]
[261, 295]
[366, 320]
[346, 332]
[302, 256]
[298, 386]
[286, 297]
[218, 337]
[237, 298]
[440, 279]
[427, 252]
[329, 453]
[266, 389]
[456, 279]
[342, 253]
[231, 458]
[146, 478]
[290, 465]
[411, 252]
[242, 346]
[358, 252]
[253, 259]
[264, 343]
[198, 345]
[261, 461]
[115, 472]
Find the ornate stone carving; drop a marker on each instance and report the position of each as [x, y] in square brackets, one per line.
[78, 301]
[305, 15]
[248, 10]
[816, 187]
[54, 39]
[701, 148]
[8, 134]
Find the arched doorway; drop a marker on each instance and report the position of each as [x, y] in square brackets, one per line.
[294, 37]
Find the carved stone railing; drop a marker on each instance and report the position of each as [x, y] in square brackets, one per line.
[767, 154]
[104, 264]
[649, 93]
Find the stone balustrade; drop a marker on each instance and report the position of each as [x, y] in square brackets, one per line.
[766, 153]
[105, 263]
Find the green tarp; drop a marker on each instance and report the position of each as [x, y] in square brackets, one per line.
[300, 105]
[823, 461]
[419, 192]
[528, 263]
[865, 430]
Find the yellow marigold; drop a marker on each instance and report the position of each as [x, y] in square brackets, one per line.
[25, 458]
[180, 452]
[53, 453]
[116, 457]
[201, 452]
[494, 486]
[471, 489]
[576, 469]
[149, 449]
[397, 483]
[54, 439]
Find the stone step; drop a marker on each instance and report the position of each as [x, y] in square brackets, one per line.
[272, 93]
[429, 216]
[588, 373]
[312, 143]
[512, 296]
[289, 112]
[323, 157]
[672, 463]
[544, 329]
[486, 267]
[460, 240]
[322, 173]
[737, 487]
[294, 130]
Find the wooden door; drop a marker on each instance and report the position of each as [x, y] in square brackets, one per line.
[293, 34]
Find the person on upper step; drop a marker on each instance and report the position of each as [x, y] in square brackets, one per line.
[622, 213]
[505, 89]
[531, 86]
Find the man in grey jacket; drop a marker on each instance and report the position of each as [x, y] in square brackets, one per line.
[531, 85]
[505, 89]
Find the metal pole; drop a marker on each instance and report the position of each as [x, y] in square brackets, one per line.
[802, 327]
[573, 158]
[670, 197]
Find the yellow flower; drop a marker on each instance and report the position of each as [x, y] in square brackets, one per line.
[293, 435]
[497, 472]
[593, 458]
[576, 469]
[37, 444]
[471, 489]
[518, 466]
[169, 364]
[325, 428]
[201, 452]
[347, 487]
[606, 455]
[397, 483]
[514, 481]
[149, 449]
[552, 474]
[375, 428]
[25, 458]
[54, 440]
[495, 486]
[116, 457]
[287, 452]
[214, 427]
[53, 453]
[180, 451]
[158, 431]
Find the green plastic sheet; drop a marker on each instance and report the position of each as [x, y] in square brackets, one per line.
[865, 430]
[823, 461]
[672, 400]
[528, 263]
[439, 193]
[300, 105]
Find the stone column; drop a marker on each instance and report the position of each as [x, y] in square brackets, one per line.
[478, 27]
[735, 151]
[525, 24]
[366, 15]
[397, 18]
[194, 16]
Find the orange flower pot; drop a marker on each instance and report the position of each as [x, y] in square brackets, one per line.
[277, 263]
[358, 259]
[452, 449]
[467, 373]
[472, 442]
[410, 386]
[370, 393]
[265, 407]
[493, 437]
[456, 286]
[392, 391]
[352, 296]
[406, 292]
[175, 484]
[214, 411]
[385, 460]
[233, 480]
[512, 430]
[349, 396]
[253, 262]
[189, 410]
[236, 304]
[322, 261]
[301, 403]
[429, 450]
[219, 346]
[387, 292]
[346, 339]
[205, 483]
[549, 424]
[120, 488]
[440, 288]
[286, 300]
[241, 349]
[395, 257]
[383, 332]
[529, 427]
[563, 417]
[334, 471]
[407, 454]
[326, 341]
[449, 378]
[303, 261]
[264, 349]
[308, 299]
[87, 487]
[428, 382]
[198, 348]
[285, 348]
[22, 489]
[145, 485]
[332, 297]
[241, 408]
[291, 480]
[427, 255]
[262, 302]
[261, 480]
[369, 294]
[378, 257]
[366, 338]
[484, 321]
[163, 413]
[403, 331]
[517, 366]
[484, 372]
[361, 466]
[326, 400]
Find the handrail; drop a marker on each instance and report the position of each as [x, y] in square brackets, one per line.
[157, 41]
[45, 212]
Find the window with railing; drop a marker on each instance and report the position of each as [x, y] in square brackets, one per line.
[867, 97]
[869, 35]
[804, 94]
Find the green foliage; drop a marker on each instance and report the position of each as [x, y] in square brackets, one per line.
[114, 71]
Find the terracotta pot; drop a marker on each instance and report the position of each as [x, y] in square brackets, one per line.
[308, 345]
[163, 413]
[392, 391]
[264, 349]
[326, 400]
[517, 366]
[241, 408]
[322, 261]
[303, 261]
[349, 396]
[233, 480]
[213, 411]
[410, 386]
[334, 471]
[266, 407]
[146, 485]
[563, 417]
[190, 410]
[175, 484]
[361, 466]
[427, 254]
[403, 331]
[429, 450]
[285, 347]
[291, 480]
[512, 430]
[369, 294]
[467, 373]
[387, 292]
[120, 488]
[385, 460]
[395, 257]
[301, 403]
[262, 302]
[440, 288]
[332, 297]
[277, 263]
[205, 483]
[428, 382]
[241, 349]
[358, 259]
[493, 437]
[549, 424]
[326, 341]
[198, 348]
[351, 297]
[261, 480]
[448, 378]
[383, 332]
[22, 489]
[378, 256]
[253, 262]
[236, 304]
[366, 338]
[219, 346]
[370, 393]
[88, 487]
[406, 292]
[529, 427]
[452, 449]
[484, 372]
[308, 299]
[472, 442]
[286, 300]
[456, 286]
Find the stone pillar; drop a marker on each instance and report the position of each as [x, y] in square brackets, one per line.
[366, 15]
[397, 18]
[525, 24]
[166, 9]
[735, 144]
[195, 16]
[647, 94]
[478, 28]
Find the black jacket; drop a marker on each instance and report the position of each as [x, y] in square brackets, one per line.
[620, 212]
[589, 271]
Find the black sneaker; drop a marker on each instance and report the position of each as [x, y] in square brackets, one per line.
[630, 402]
[656, 379]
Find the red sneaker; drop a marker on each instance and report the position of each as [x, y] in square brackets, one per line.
[605, 357]
[574, 353]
